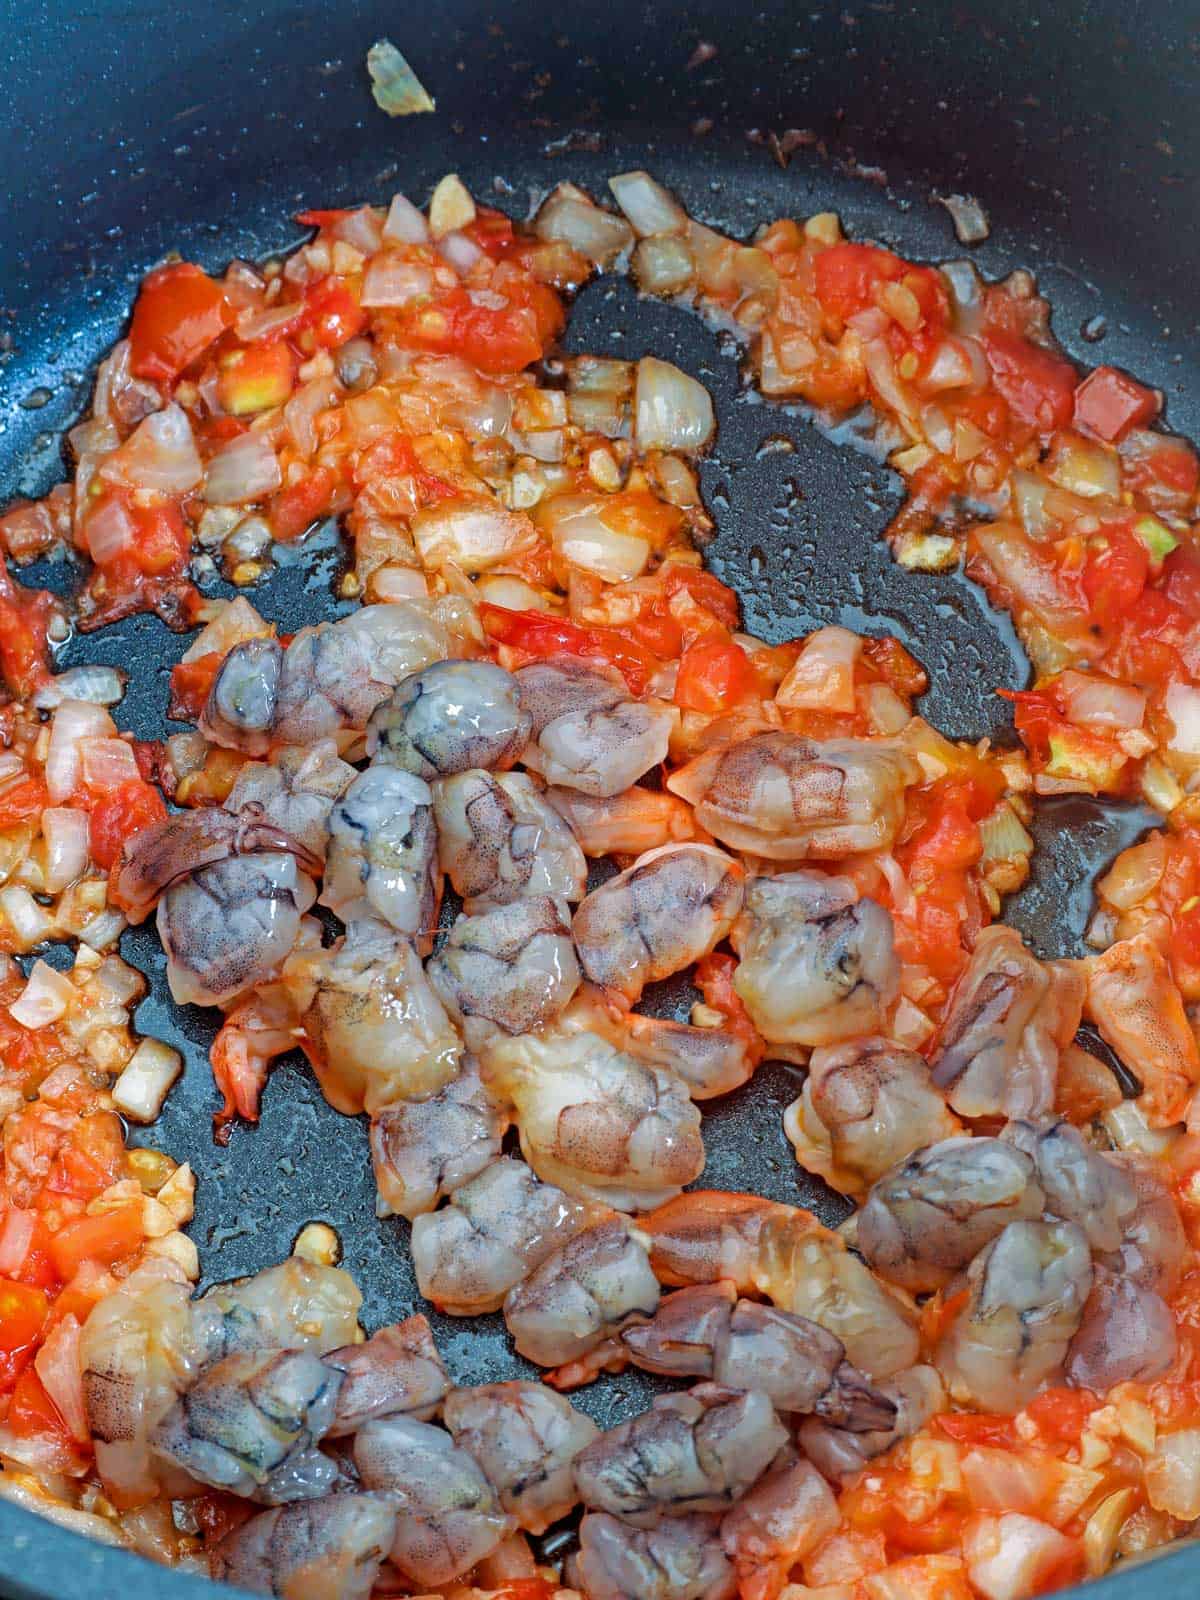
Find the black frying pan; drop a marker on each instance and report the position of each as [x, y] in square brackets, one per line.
[131, 129]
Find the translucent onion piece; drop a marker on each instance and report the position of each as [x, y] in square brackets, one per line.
[75, 720]
[46, 997]
[650, 208]
[65, 833]
[245, 470]
[673, 411]
[395, 87]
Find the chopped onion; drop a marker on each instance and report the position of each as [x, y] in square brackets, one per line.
[1183, 708]
[143, 1086]
[395, 582]
[1084, 468]
[1173, 1474]
[60, 1368]
[107, 763]
[26, 919]
[16, 1235]
[1029, 502]
[935, 425]
[246, 469]
[649, 207]
[1003, 1480]
[104, 929]
[1096, 702]
[472, 534]
[405, 223]
[233, 622]
[450, 207]
[672, 410]
[956, 364]
[498, 589]
[65, 832]
[301, 412]
[1135, 874]
[487, 417]
[1003, 835]
[903, 897]
[395, 87]
[572, 218]
[101, 686]
[362, 228]
[46, 997]
[822, 676]
[262, 324]
[391, 279]
[462, 253]
[74, 721]
[108, 531]
[715, 257]
[1010, 1557]
[881, 370]
[582, 537]
[968, 216]
[966, 294]
[664, 265]
[160, 454]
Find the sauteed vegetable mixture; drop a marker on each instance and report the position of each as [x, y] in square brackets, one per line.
[987, 1381]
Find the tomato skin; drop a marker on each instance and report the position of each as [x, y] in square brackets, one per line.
[846, 276]
[493, 232]
[1115, 576]
[28, 799]
[118, 815]
[331, 315]
[977, 1427]
[713, 677]
[1108, 403]
[191, 684]
[1062, 1414]
[297, 507]
[105, 1238]
[705, 589]
[1181, 580]
[497, 341]
[1037, 385]
[539, 637]
[23, 1313]
[179, 312]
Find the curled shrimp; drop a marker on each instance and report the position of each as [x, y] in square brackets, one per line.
[624, 824]
[260, 1028]
[1133, 1000]
[294, 1305]
[679, 1558]
[709, 1060]
[332, 1546]
[451, 716]
[781, 1520]
[295, 791]
[670, 908]
[423, 1150]
[526, 1438]
[866, 1105]
[1080, 1184]
[396, 1372]
[587, 733]
[382, 855]
[787, 798]
[816, 963]
[499, 841]
[1010, 1019]
[512, 968]
[917, 1395]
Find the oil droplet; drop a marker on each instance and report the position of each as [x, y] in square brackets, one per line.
[1094, 329]
[36, 399]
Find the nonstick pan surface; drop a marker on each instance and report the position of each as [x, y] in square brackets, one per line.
[128, 132]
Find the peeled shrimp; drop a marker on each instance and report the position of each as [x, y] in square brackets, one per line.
[243, 702]
[526, 1438]
[448, 1516]
[933, 1213]
[581, 1293]
[1133, 1000]
[783, 1518]
[423, 1150]
[396, 1372]
[587, 733]
[261, 1027]
[512, 968]
[917, 1394]
[816, 963]
[709, 1234]
[1027, 1292]
[1009, 1021]
[670, 908]
[1080, 1184]
[451, 716]
[295, 1305]
[788, 798]
[382, 855]
[710, 1061]
[294, 791]
[374, 1029]
[707, 1332]
[592, 1119]
[499, 841]
[625, 824]
[496, 1229]
[698, 1451]
[678, 1559]
[333, 1546]
[866, 1104]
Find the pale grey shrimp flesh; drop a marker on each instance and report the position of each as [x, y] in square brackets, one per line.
[710, 1061]
[423, 1150]
[396, 1372]
[512, 968]
[451, 716]
[243, 703]
[625, 824]
[294, 791]
[332, 1546]
[783, 1519]
[1080, 1184]
[587, 732]
[500, 841]
[295, 1305]
[381, 859]
[680, 1558]
[917, 1393]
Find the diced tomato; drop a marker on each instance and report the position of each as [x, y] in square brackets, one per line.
[538, 636]
[24, 617]
[493, 232]
[939, 927]
[846, 276]
[191, 684]
[179, 312]
[494, 339]
[26, 799]
[119, 815]
[1153, 462]
[162, 542]
[256, 377]
[713, 677]
[296, 508]
[1181, 580]
[1062, 1414]
[526, 1589]
[896, 666]
[1038, 386]
[108, 1237]
[32, 1415]
[393, 456]
[1115, 574]
[1108, 403]
[705, 589]
[1185, 949]
[977, 1427]
[332, 315]
[327, 218]
[22, 1317]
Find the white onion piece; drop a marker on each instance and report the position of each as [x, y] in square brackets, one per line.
[141, 1089]
[822, 675]
[966, 295]
[101, 686]
[362, 228]
[450, 207]
[881, 370]
[514, 594]
[246, 469]
[936, 427]
[391, 279]
[107, 763]
[16, 1235]
[159, 454]
[1183, 708]
[45, 998]
[1173, 1474]
[1101, 702]
[970, 220]
[74, 721]
[1009, 1557]
[664, 265]
[903, 897]
[951, 368]
[471, 534]
[650, 208]
[261, 324]
[301, 412]
[65, 832]
[405, 224]
[582, 537]
[398, 583]
[108, 531]
[484, 418]
[1029, 501]
[672, 410]
[575, 221]
[60, 1368]
[235, 621]
[12, 769]
[462, 253]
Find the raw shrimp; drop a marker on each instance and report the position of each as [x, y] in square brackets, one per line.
[1009, 1020]
[709, 1234]
[1153, 1244]
[816, 963]
[707, 1332]
[1027, 1292]
[865, 1105]
[294, 791]
[251, 1422]
[243, 702]
[918, 1394]
[592, 1119]
[382, 855]
[710, 1061]
[496, 1229]
[788, 798]
[397, 1371]
[448, 1516]
[295, 1305]
[582, 1293]
[512, 968]
[1080, 1184]
[423, 1150]
[587, 733]
[679, 1559]
[526, 1438]
[1133, 1000]
[499, 841]
[374, 1030]
[783, 1518]
[451, 716]
[698, 1451]
[625, 824]
[260, 1028]
[333, 1546]
[670, 908]
[933, 1213]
